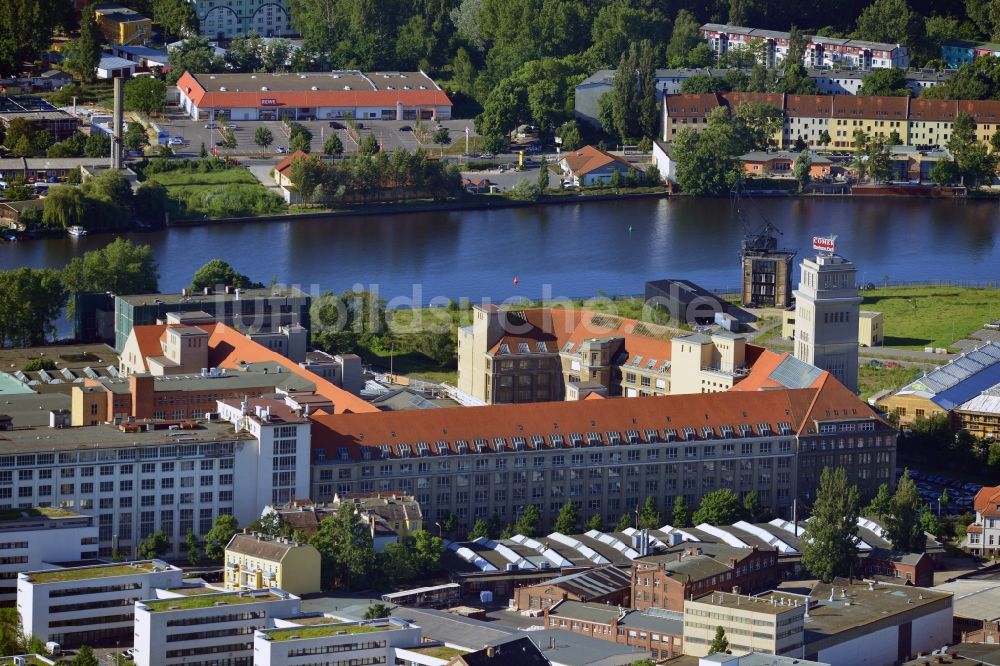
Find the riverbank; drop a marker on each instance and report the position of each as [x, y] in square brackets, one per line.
[470, 202]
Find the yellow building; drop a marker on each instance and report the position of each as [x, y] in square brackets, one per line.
[255, 561]
[986, 114]
[806, 118]
[871, 328]
[772, 623]
[122, 25]
[931, 121]
[875, 116]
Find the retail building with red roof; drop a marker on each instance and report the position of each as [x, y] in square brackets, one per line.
[313, 96]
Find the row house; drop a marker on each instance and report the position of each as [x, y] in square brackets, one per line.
[821, 52]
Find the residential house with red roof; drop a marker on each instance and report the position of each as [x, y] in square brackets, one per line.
[983, 535]
[590, 166]
[313, 96]
[283, 169]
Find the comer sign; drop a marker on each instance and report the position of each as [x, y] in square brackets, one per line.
[824, 244]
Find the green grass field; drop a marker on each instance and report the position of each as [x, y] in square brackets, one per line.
[871, 379]
[918, 317]
[187, 180]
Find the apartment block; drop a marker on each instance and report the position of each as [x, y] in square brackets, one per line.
[823, 52]
[771, 623]
[373, 642]
[89, 605]
[255, 561]
[30, 537]
[666, 579]
[205, 627]
[957, 52]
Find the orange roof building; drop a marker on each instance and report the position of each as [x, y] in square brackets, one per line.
[314, 95]
[983, 535]
[593, 166]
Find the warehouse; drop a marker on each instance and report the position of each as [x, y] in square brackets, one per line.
[314, 96]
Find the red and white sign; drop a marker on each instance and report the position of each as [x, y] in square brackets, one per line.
[268, 102]
[824, 243]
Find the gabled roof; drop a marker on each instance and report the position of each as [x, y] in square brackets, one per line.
[593, 582]
[849, 106]
[691, 105]
[266, 548]
[987, 501]
[286, 164]
[588, 159]
[933, 109]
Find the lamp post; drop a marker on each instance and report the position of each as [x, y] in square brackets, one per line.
[440, 530]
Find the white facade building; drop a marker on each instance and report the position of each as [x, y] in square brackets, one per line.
[38, 536]
[84, 605]
[826, 316]
[205, 628]
[225, 19]
[351, 643]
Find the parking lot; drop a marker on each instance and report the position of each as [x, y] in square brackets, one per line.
[391, 134]
[930, 487]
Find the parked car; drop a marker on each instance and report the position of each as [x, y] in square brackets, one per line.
[486, 156]
[405, 128]
[282, 149]
[335, 125]
[175, 141]
[129, 654]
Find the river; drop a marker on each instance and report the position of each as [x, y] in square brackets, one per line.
[576, 250]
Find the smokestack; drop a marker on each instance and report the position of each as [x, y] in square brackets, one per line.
[116, 123]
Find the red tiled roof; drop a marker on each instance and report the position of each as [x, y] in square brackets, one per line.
[987, 499]
[589, 158]
[149, 336]
[985, 111]
[189, 85]
[227, 347]
[933, 109]
[735, 99]
[287, 163]
[691, 105]
[808, 106]
[354, 432]
[849, 106]
[760, 370]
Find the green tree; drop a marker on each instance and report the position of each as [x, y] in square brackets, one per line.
[135, 137]
[85, 657]
[977, 165]
[333, 145]
[720, 645]
[529, 521]
[681, 515]
[568, 519]
[944, 500]
[705, 162]
[891, 21]
[719, 507]
[800, 170]
[176, 17]
[145, 94]
[120, 267]
[884, 82]
[192, 548]
[480, 529]
[929, 522]
[824, 138]
[219, 536]
[649, 516]
[543, 174]
[442, 137]
[26, 28]
[203, 152]
[944, 172]
[152, 203]
[881, 505]
[426, 550]
[30, 300]
[753, 510]
[64, 207]
[879, 160]
[624, 523]
[345, 544]
[760, 123]
[794, 78]
[377, 611]
[569, 133]
[83, 54]
[704, 83]
[98, 145]
[649, 116]
[369, 145]
[505, 108]
[903, 524]
[194, 54]
[625, 96]
[594, 523]
[154, 546]
[263, 138]
[464, 72]
[272, 524]
[218, 272]
[829, 543]
[684, 48]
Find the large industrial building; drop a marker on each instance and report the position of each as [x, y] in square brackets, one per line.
[313, 96]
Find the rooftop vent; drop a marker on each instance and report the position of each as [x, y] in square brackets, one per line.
[222, 89]
[263, 88]
[347, 87]
[313, 87]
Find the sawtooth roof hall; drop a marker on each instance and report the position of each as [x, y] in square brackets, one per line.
[314, 96]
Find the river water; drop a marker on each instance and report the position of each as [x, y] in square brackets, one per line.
[577, 250]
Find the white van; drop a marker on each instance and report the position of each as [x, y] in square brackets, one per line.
[53, 648]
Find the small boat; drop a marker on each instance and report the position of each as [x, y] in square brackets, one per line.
[76, 230]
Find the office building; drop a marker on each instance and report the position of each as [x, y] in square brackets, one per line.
[205, 627]
[31, 537]
[546, 354]
[826, 52]
[826, 316]
[255, 561]
[313, 96]
[326, 641]
[257, 310]
[89, 605]
[771, 623]
[609, 455]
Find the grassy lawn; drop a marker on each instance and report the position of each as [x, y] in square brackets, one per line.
[178, 179]
[224, 193]
[918, 317]
[85, 573]
[295, 633]
[205, 601]
[871, 379]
